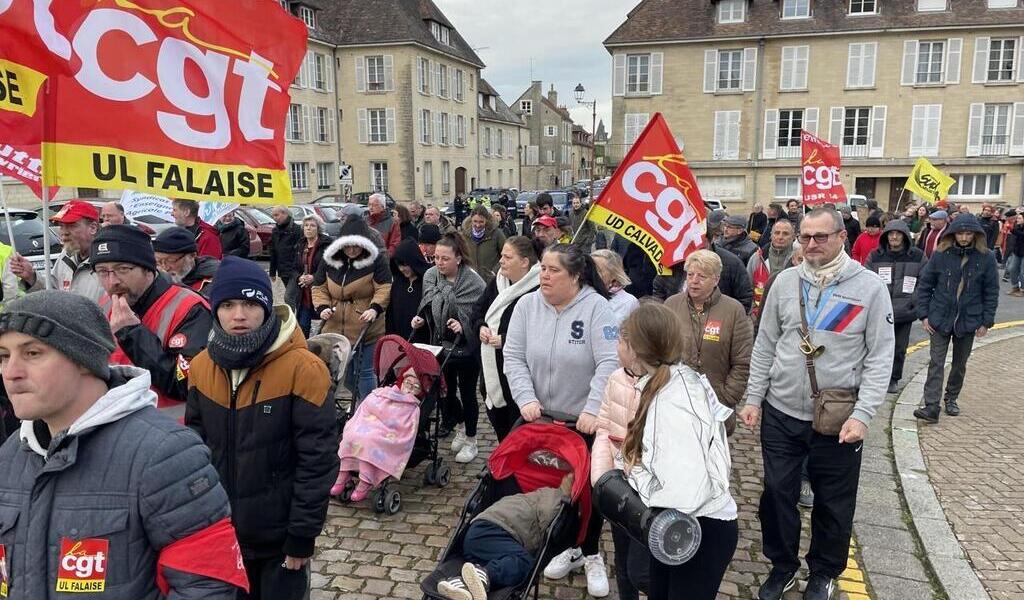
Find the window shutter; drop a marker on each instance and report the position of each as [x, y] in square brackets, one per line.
[332, 125]
[420, 75]
[710, 71]
[733, 150]
[932, 133]
[853, 65]
[974, 126]
[749, 69]
[619, 75]
[909, 62]
[981, 47]
[390, 123]
[771, 134]
[868, 66]
[951, 62]
[360, 74]
[389, 73]
[720, 133]
[311, 69]
[787, 68]
[306, 129]
[1020, 59]
[835, 130]
[657, 66]
[876, 141]
[1017, 131]
[918, 126]
[802, 56]
[364, 127]
[437, 128]
[811, 120]
[451, 86]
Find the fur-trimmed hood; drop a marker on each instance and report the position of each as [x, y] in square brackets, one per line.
[335, 255]
[959, 224]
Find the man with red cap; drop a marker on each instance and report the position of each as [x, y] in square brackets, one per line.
[546, 230]
[71, 271]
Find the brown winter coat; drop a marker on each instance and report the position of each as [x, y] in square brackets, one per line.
[485, 254]
[717, 342]
[351, 287]
[526, 517]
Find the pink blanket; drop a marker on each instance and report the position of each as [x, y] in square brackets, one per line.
[381, 433]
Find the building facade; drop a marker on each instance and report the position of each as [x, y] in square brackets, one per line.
[887, 80]
[548, 161]
[502, 139]
[582, 153]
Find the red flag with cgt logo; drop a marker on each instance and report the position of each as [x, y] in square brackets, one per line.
[820, 172]
[652, 199]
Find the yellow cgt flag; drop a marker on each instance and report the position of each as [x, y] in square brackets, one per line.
[928, 182]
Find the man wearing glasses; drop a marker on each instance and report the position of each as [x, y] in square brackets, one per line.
[177, 255]
[158, 326]
[847, 315]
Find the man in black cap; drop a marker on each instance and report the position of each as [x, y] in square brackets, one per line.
[177, 255]
[735, 238]
[430, 235]
[158, 326]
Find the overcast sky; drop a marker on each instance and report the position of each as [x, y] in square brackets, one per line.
[562, 37]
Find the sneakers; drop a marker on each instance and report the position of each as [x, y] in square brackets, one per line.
[806, 495]
[454, 589]
[564, 563]
[928, 413]
[597, 575]
[819, 587]
[459, 440]
[476, 580]
[468, 451]
[951, 408]
[777, 584]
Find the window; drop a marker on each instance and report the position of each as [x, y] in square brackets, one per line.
[299, 175]
[320, 75]
[634, 126]
[638, 74]
[323, 126]
[446, 129]
[794, 67]
[423, 72]
[727, 135]
[551, 157]
[375, 80]
[428, 178]
[293, 133]
[863, 7]
[460, 131]
[441, 33]
[787, 187]
[796, 9]
[487, 141]
[730, 69]
[378, 125]
[425, 126]
[860, 66]
[929, 61]
[551, 131]
[284, 4]
[442, 81]
[995, 130]
[446, 177]
[791, 122]
[931, 5]
[924, 130]
[1001, 59]
[499, 147]
[460, 85]
[977, 186]
[1002, 3]
[526, 107]
[308, 16]
[732, 11]
[856, 124]
[324, 175]
[379, 176]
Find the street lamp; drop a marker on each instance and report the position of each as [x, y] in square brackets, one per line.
[579, 93]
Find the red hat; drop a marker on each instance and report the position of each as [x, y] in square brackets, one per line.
[74, 211]
[546, 221]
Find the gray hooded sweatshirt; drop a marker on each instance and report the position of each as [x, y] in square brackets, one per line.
[854, 324]
[550, 356]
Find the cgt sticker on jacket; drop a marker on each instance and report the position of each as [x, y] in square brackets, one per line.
[83, 565]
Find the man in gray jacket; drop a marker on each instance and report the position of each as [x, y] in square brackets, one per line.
[849, 318]
[101, 493]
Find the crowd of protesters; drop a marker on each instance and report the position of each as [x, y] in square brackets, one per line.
[791, 321]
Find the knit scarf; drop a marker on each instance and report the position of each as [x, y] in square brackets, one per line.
[824, 275]
[242, 351]
[478, 234]
[508, 292]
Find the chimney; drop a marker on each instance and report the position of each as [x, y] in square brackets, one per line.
[553, 95]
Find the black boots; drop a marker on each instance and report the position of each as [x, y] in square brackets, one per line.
[928, 413]
[951, 408]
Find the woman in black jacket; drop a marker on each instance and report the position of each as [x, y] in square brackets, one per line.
[408, 266]
[234, 239]
[405, 226]
[309, 253]
[519, 274]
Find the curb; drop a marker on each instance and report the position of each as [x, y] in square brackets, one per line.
[949, 561]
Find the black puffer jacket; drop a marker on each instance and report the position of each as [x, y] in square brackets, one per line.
[900, 270]
[283, 242]
[234, 238]
[742, 246]
[405, 294]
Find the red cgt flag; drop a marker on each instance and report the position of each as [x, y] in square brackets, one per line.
[761, 276]
[820, 172]
[652, 199]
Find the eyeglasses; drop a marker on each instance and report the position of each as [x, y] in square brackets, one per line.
[819, 238]
[120, 271]
[169, 261]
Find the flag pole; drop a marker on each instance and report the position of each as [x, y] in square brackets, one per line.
[586, 218]
[47, 267]
[7, 215]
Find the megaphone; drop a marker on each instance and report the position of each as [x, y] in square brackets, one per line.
[672, 536]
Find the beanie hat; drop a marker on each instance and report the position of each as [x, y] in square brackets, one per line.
[873, 221]
[430, 234]
[241, 279]
[69, 323]
[176, 240]
[124, 244]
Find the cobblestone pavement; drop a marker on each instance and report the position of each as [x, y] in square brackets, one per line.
[975, 463]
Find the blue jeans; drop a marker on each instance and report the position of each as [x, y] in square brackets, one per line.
[1013, 270]
[489, 546]
[364, 371]
[304, 315]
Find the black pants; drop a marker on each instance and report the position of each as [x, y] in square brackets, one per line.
[460, 376]
[940, 343]
[591, 543]
[502, 419]
[834, 471]
[506, 561]
[268, 580]
[632, 565]
[699, 577]
[900, 355]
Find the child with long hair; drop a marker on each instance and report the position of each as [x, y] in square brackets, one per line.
[675, 452]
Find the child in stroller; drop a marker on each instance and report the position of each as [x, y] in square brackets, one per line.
[502, 543]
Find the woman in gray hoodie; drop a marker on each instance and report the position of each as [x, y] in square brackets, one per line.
[560, 348]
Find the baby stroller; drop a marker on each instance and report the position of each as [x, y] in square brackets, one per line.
[335, 350]
[392, 355]
[533, 456]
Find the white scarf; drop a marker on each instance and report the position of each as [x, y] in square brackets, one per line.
[508, 292]
[824, 275]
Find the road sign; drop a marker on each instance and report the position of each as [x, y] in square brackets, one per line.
[345, 174]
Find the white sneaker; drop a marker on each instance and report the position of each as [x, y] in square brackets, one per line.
[459, 440]
[597, 575]
[564, 563]
[468, 451]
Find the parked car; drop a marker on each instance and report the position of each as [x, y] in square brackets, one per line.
[713, 204]
[364, 198]
[332, 221]
[28, 236]
[494, 195]
[151, 226]
[560, 199]
[340, 207]
[260, 225]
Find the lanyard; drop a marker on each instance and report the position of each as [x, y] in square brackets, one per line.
[819, 306]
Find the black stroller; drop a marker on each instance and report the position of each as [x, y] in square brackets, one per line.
[533, 456]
